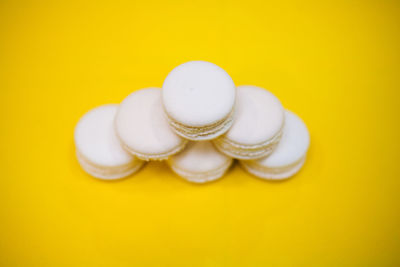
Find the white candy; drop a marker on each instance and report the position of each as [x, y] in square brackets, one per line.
[200, 162]
[98, 148]
[198, 102]
[289, 156]
[199, 99]
[143, 128]
[257, 125]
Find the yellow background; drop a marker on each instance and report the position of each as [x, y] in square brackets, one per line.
[335, 63]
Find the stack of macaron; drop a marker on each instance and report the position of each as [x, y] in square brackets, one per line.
[198, 123]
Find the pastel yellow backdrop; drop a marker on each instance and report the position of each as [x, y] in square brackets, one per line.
[335, 63]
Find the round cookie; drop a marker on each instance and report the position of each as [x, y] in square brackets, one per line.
[98, 149]
[143, 129]
[288, 157]
[257, 125]
[200, 162]
[199, 98]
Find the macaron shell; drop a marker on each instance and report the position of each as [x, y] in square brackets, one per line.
[273, 174]
[199, 157]
[243, 152]
[198, 93]
[142, 126]
[109, 173]
[293, 145]
[259, 116]
[96, 140]
[204, 177]
[202, 133]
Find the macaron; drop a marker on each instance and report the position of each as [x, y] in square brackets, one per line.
[257, 125]
[199, 100]
[143, 129]
[288, 157]
[200, 162]
[97, 147]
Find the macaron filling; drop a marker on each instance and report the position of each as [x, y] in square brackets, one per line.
[202, 133]
[201, 177]
[108, 172]
[244, 152]
[273, 173]
[160, 156]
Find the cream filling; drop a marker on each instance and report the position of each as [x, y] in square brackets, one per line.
[245, 152]
[204, 132]
[277, 173]
[108, 172]
[202, 177]
[161, 156]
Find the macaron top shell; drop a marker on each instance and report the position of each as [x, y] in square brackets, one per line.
[294, 143]
[198, 93]
[200, 157]
[259, 116]
[96, 140]
[142, 126]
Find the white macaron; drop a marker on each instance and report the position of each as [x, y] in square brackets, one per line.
[199, 99]
[288, 157]
[200, 162]
[257, 125]
[143, 129]
[98, 149]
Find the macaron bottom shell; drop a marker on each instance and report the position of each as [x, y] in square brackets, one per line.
[160, 157]
[109, 173]
[202, 133]
[246, 152]
[200, 178]
[270, 173]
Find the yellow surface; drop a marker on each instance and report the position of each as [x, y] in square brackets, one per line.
[335, 63]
